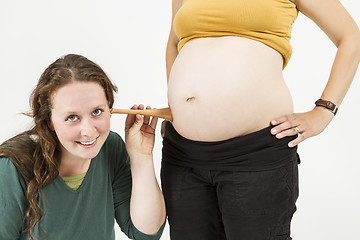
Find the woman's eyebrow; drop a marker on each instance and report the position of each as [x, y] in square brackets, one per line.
[100, 106]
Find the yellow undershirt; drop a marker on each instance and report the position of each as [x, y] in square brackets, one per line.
[266, 21]
[75, 181]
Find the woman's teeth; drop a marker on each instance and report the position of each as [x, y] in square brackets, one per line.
[88, 143]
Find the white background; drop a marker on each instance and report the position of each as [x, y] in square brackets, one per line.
[128, 39]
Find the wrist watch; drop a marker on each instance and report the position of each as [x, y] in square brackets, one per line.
[328, 105]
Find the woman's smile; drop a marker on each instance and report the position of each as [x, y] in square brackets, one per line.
[88, 144]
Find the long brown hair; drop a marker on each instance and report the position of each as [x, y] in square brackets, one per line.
[36, 152]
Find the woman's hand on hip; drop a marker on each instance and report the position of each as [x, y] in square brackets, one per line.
[140, 132]
[306, 124]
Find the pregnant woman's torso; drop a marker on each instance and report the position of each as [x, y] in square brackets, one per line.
[223, 87]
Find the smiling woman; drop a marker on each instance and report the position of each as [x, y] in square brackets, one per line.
[81, 123]
[70, 166]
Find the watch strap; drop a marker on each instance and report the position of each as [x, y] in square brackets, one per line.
[328, 105]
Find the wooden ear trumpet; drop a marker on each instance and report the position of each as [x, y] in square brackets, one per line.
[164, 113]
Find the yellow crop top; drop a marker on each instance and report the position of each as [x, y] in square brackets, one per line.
[267, 21]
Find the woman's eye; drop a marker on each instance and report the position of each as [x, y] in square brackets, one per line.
[72, 118]
[97, 112]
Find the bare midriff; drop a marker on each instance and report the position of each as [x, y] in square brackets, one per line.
[224, 87]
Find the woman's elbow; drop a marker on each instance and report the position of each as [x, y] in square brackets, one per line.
[351, 41]
[357, 43]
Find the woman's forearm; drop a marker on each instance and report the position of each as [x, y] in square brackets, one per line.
[344, 68]
[147, 205]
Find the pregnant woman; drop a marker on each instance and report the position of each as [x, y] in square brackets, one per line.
[229, 168]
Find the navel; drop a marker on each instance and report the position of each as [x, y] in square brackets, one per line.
[190, 99]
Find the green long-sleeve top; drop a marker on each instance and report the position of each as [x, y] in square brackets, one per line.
[86, 213]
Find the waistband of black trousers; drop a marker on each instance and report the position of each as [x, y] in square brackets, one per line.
[256, 151]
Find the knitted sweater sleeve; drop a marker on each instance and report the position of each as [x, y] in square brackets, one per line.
[122, 192]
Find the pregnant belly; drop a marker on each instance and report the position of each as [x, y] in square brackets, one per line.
[222, 91]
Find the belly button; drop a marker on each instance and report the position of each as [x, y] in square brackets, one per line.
[190, 99]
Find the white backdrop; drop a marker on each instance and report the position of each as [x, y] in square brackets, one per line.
[128, 39]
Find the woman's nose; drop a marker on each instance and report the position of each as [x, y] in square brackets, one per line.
[87, 127]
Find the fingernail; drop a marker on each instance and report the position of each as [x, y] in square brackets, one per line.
[274, 130]
[291, 144]
[273, 122]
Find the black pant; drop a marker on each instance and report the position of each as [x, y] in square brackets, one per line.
[229, 205]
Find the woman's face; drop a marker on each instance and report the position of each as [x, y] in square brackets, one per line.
[80, 117]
